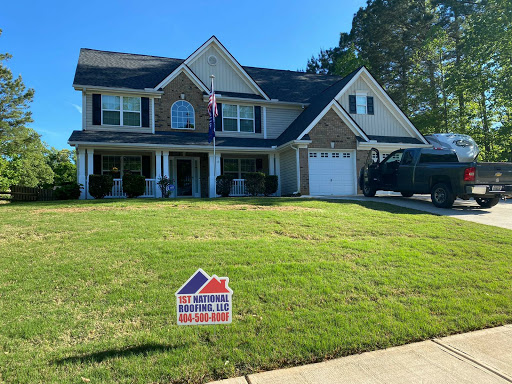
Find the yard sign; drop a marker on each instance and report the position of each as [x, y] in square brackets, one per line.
[204, 300]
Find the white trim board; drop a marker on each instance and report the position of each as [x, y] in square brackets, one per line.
[183, 68]
[344, 116]
[230, 59]
[382, 94]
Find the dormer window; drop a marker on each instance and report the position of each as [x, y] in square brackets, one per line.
[183, 115]
[120, 110]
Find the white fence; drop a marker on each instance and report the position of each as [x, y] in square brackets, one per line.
[238, 188]
[117, 189]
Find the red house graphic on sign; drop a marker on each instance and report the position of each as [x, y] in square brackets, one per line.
[215, 285]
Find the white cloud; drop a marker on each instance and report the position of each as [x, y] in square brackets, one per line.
[78, 108]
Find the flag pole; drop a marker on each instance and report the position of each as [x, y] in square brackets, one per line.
[214, 157]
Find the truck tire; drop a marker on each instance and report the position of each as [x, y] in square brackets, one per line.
[368, 191]
[406, 194]
[442, 196]
[487, 203]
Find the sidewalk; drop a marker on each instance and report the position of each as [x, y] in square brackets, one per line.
[477, 357]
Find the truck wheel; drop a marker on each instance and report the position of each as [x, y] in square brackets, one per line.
[442, 196]
[487, 203]
[406, 194]
[368, 191]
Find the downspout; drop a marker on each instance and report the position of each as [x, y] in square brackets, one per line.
[298, 169]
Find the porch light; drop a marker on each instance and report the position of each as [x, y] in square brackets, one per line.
[182, 96]
[332, 144]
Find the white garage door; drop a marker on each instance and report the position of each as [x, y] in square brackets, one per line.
[331, 173]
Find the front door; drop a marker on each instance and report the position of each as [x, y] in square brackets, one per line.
[184, 177]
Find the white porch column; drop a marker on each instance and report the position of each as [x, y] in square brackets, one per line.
[158, 170]
[90, 170]
[278, 174]
[264, 122]
[81, 172]
[214, 171]
[166, 163]
[271, 159]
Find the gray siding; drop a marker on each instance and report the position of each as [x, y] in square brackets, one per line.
[288, 170]
[226, 78]
[383, 122]
[88, 118]
[278, 119]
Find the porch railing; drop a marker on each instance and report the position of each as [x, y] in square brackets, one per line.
[238, 188]
[117, 189]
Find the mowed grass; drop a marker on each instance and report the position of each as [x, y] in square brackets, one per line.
[87, 288]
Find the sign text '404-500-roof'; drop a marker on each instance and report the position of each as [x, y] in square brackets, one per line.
[204, 300]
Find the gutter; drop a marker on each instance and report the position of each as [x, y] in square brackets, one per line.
[273, 102]
[145, 91]
[197, 148]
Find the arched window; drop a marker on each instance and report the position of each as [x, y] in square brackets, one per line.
[182, 115]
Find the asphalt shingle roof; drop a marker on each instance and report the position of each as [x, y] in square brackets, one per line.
[122, 70]
[127, 70]
[313, 110]
[300, 87]
[166, 138]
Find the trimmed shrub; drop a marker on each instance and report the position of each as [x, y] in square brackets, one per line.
[224, 185]
[100, 185]
[133, 185]
[68, 191]
[270, 184]
[255, 183]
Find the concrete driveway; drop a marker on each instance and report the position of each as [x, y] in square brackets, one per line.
[469, 210]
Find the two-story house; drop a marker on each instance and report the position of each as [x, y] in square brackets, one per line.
[148, 115]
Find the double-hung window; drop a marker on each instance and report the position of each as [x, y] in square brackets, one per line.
[361, 104]
[237, 118]
[120, 110]
[238, 168]
[119, 165]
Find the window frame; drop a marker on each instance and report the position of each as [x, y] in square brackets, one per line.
[239, 166]
[121, 168]
[365, 105]
[238, 118]
[193, 115]
[121, 111]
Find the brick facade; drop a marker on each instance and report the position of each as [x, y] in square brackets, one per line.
[172, 92]
[329, 129]
[332, 129]
[304, 171]
[361, 157]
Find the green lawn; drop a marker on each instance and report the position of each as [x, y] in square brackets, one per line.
[87, 288]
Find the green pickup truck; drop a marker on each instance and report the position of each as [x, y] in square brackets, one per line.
[437, 172]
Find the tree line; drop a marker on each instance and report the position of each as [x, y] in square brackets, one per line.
[24, 159]
[446, 63]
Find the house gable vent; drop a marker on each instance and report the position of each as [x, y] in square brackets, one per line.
[212, 60]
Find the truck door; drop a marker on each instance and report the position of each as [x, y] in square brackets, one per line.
[405, 177]
[389, 169]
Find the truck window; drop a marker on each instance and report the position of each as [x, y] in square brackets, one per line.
[394, 157]
[438, 158]
[407, 158]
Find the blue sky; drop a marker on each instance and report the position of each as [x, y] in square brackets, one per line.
[45, 37]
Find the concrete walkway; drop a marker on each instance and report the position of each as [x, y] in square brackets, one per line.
[469, 210]
[477, 357]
